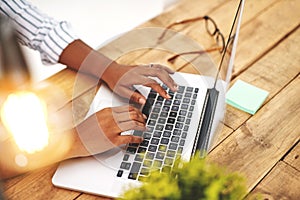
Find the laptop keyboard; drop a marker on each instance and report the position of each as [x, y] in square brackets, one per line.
[167, 125]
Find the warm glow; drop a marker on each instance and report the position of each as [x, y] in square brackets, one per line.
[24, 115]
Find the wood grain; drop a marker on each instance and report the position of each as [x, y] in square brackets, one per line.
[37, 185]
[281, 183]
[263, 140]
[271, 73]
[268, 57]
[293, 158]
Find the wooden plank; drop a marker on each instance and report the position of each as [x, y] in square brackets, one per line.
[262, 33]
[37, 185]
[186, 9]
[269, 29]
[293, 158]
[262, 141]
[91, 197]
[71, 84]
[271, 73]
[224, 133]
[192, 30]
[281, 183]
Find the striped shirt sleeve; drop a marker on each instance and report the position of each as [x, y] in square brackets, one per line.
[37, 30]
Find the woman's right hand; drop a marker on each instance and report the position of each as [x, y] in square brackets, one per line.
[101, 131]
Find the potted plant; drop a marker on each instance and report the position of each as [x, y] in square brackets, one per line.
[197, 179]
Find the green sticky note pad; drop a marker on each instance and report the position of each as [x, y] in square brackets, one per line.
[246, 97]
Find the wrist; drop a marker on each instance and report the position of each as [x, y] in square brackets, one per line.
[108, 73]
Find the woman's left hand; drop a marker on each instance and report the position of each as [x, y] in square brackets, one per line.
[122, 78]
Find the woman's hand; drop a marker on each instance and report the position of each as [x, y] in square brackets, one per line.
[121, 78]
[101, 131]
[115, 120]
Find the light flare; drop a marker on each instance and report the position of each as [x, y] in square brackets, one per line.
[24, 115]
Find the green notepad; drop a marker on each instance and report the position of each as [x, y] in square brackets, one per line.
[246, 97]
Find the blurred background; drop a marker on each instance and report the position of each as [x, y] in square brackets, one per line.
[95, 21]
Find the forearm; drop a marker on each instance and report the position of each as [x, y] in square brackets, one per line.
[82, 58]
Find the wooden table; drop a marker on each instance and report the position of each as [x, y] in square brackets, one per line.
[265, 146]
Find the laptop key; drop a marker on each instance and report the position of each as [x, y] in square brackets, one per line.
[152, 148]
[181, 143]
[189, 89]
[167, 133]
[177, 132]
[131, 150]
[145, 143]
[139, 157]
[150, 155]
[147, 135]
[162, 148]
[142, 150]
[151, 122]
[169, 127]
[173, 114]
[183, 112]
[126, 157]
[120, 173]
[157, 163]
[164, 114]
[155, 141]
[169, 161]
[125, 165]
[171, 120]
[138, 133]
[173, 146]
[162, 120]
[157, 134]
[175, 139]
[147, 163]
[164, 141]
[134, 170]
[160, 155]
[145, 171]
[171, 153]
[175, 108]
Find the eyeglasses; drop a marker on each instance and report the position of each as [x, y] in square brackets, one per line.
[211, 28]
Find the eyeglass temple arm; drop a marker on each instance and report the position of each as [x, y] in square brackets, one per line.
[171, 59]
[181, 22]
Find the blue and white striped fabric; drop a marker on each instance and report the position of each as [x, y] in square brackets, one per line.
[37, 30]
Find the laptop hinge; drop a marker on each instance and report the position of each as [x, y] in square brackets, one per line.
[206, 120]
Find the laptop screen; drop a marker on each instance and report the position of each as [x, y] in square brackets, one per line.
[215, 95]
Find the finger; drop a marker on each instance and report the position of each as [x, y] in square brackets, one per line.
[163, 76]
[169, 70]
[132, 125]
[159, 90]
[137, 97]
[125, 139]
[134, 96]
[135, 115]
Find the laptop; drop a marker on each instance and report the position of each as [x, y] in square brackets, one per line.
[176, 129]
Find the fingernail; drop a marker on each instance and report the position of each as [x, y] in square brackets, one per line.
[175, 87]
[168, 96]
[145, 117]
[142, 101]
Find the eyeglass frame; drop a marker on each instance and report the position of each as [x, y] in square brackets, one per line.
[216, 33]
